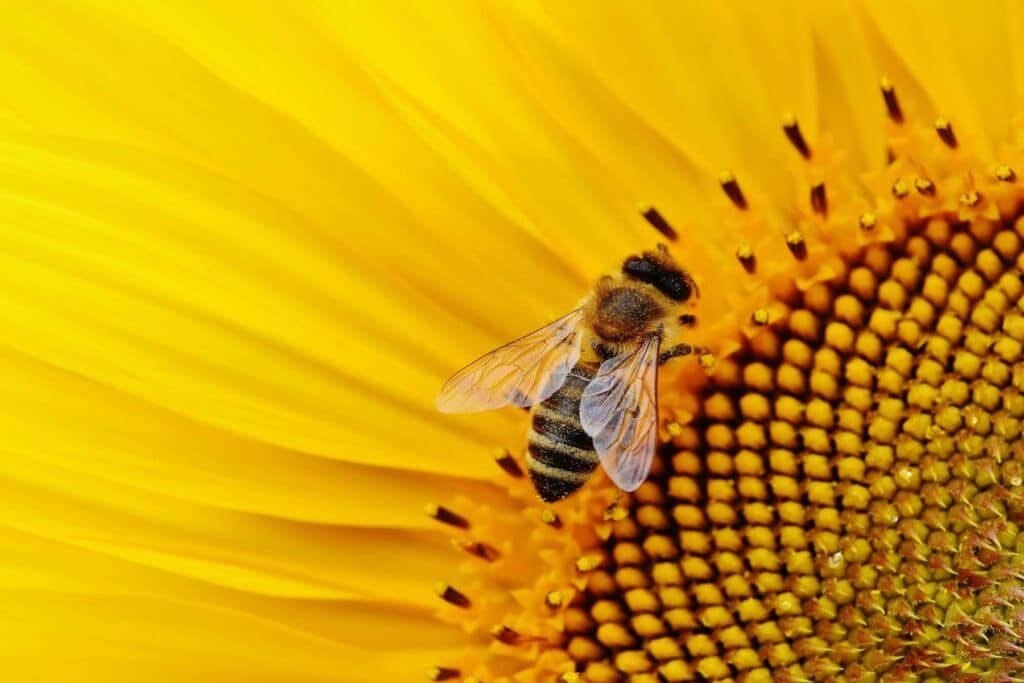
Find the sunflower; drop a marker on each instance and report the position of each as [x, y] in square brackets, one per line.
[243, 245]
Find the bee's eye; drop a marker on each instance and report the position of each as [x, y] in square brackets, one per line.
[672, 283]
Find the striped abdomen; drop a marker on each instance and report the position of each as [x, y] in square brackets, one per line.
[560, 456]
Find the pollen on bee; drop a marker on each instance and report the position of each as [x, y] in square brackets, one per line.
[445, 516]
[792, 130]
[819, 200]
[892, 104]
[732, 189]
[945, 130]
[658, 222]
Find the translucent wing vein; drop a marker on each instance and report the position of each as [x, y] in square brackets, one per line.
[521, 373]
[619, 410]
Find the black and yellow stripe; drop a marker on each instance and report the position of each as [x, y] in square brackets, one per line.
[560, 455]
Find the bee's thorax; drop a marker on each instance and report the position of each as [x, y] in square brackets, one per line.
[621, 312]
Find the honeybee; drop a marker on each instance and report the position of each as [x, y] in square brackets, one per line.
[590, 378]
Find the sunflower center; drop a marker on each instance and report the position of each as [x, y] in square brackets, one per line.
[846, 503]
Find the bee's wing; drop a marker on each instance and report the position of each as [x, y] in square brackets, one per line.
[521, 373]
[619, 410]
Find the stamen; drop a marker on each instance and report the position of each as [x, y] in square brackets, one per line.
[445, 516]
[477, 549]
[900, 189]
[658, 222]
[1005, 174]
[588, 563]
[451, 595]
[970, 198]
[796, 138]
[892, 104]
[615, 513]
[554, 599]
[945, 130]
[550, 517]
[509, 636]
[505, 461]
[924, 186]
[759, 316]
[868, 221]
[732, 189]
[440, 673]
[687, 320]
[745, 253]
[819, 201]
[797, 245]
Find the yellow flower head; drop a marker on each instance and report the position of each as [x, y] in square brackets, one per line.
[242, 246]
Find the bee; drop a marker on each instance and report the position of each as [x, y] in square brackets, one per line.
[590, 378]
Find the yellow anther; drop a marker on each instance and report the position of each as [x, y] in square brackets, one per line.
[796, 243]
[892, 105]
[924, 186]
[792, 130]
[440, 673]
[732, 189]
[868, 220]
[945, 130]
[900, 189]
[760, 316]
[745, 255]
[615, 513]
[554, 599]
[550, 517]
[970, 198]
[1005, 174]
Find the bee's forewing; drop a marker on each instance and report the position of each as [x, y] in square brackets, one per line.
[521, 373]
[619, 410]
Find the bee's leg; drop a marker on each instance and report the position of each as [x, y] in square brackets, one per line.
[677, 351]
[688, 320]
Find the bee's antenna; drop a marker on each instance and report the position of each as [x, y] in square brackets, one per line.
[693, 285]
[658, 222]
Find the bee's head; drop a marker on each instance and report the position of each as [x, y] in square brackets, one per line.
[660, 270]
